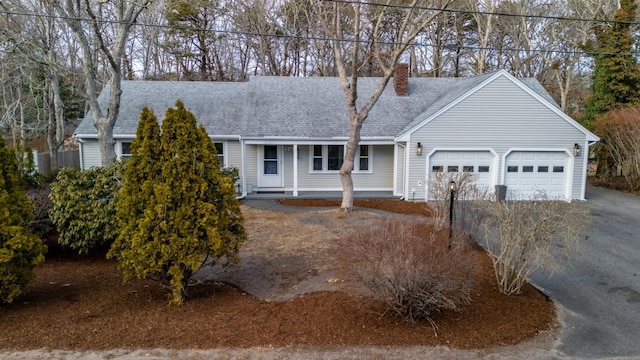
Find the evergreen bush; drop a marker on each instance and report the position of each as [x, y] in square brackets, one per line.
[177, 211]
[84, 207]
[20, 250]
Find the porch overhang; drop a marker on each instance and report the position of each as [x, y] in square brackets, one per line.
[266, 140]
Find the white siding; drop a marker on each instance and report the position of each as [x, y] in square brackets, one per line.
[287, 173]
[233, 157]
[251, 165]
[314, 181]
[90, 154]
[400, 170]
[502, 117]
[380, 178]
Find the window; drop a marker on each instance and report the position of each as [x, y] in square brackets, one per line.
[543, 169]
[467, 168]
[364, 158]
[558, 169]
[437, 168]
[271, 160]
[220, 150]
[452, 169]
[527, 169]
[512, 169]
[483, 169]
[326, 157]
[335, 157]
[317, 157]
[126, 149]
[323, 158]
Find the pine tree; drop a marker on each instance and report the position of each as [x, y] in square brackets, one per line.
[616, 75]
[135, 196]
[20, 250]
[177, 209]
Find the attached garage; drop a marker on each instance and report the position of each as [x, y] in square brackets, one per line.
[532, 173]
[478, 163]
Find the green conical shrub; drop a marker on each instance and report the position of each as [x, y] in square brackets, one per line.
[177, 211]
[20, 250]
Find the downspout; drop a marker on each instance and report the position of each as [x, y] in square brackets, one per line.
[404, 169]
[80, 151]
[406, 172]
[244, 169]
[585, 169]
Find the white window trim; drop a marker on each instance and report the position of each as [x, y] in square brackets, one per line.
[356, 165]
[224, 152]
[325, 160]
[120, 155]
[323, 156]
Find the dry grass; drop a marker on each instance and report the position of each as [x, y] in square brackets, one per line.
[80, 303]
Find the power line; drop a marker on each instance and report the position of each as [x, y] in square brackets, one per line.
[318, 38]
[447, 10]
[492, 13]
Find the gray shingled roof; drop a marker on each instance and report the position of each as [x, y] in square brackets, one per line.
[219, 106]
[285, 107]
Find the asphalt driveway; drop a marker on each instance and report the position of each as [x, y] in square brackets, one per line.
[599, 291]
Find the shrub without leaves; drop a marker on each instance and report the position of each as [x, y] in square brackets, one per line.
[410, 268]
[41, 224]
[620, 146]
[468, 200]
[524, 236]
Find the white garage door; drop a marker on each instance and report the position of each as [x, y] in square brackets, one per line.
[530, 173]
[477, 163]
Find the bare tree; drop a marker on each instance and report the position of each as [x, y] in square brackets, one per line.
[33, 43]
[413, 18]
[88, 25]
[565, 41]
[309, 52]
[483, 14]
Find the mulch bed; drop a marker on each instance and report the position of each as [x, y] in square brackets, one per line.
[80, 303]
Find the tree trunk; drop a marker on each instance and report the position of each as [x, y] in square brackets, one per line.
[51, 134]
[347, 164]
[104, 124]
[55, 128]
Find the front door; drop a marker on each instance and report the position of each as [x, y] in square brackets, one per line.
[271, 166]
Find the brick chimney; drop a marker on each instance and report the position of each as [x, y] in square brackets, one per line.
[401, 79]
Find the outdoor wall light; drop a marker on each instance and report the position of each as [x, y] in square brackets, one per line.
[576, 149]
[419, 149]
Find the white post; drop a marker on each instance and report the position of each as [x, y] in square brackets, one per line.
[295, 170]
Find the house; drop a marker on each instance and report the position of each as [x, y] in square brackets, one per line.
[287, 134]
